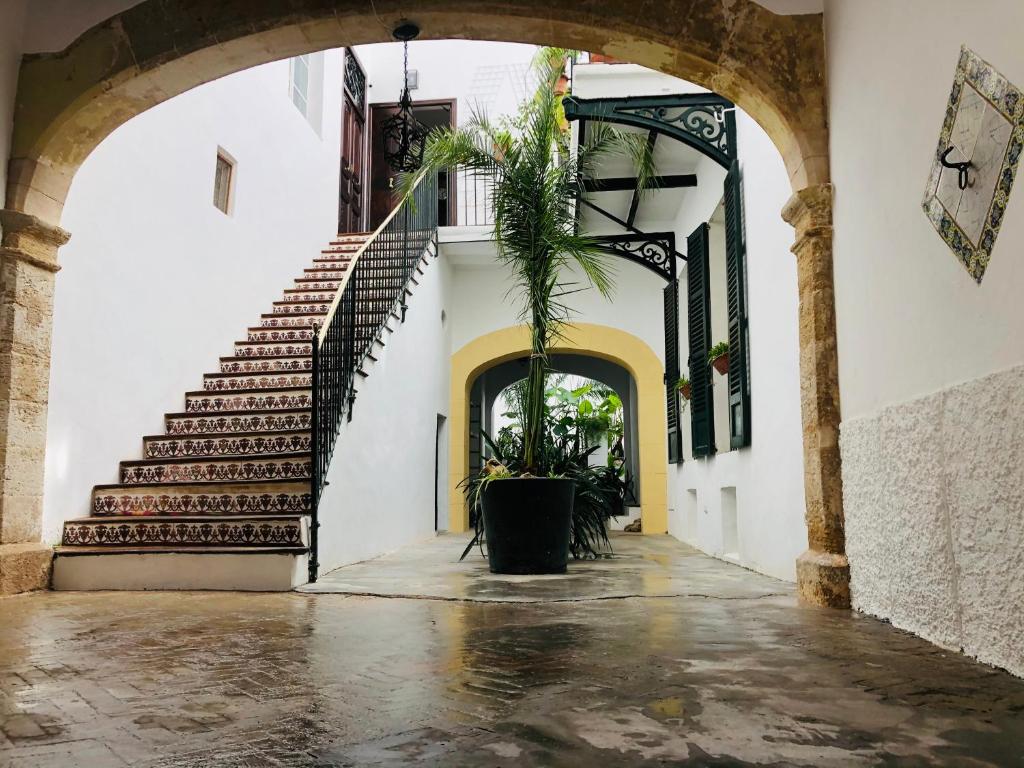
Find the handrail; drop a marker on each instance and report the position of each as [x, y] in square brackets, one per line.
[371, 292]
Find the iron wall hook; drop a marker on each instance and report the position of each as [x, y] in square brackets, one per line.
[963, 180]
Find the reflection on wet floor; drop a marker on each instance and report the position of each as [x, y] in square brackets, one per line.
[733, 674]
[642, 566]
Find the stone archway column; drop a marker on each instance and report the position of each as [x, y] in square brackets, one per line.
[28, 264]
[823, 572]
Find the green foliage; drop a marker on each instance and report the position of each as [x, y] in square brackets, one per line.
[536, 184]
[682, 381]
[721, 348]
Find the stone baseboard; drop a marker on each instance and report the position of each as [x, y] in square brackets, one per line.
[823, 579]
[24, 567]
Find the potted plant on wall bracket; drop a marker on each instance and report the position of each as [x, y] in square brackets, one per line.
[683, 385]
[530, 502]
[718, 356]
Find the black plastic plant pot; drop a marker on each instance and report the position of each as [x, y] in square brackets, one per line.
[526, 524]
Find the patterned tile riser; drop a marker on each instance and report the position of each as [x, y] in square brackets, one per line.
[243, 470]
[310, 296]
[257, 381]
[268, 365]
[291, 321]
[270, 335]
[271, 350]
[269, 422]
[192, 504]
[227, 446]
[301, 309]
[206, 404]
[272, 533]
[324, 274]
[318, 285]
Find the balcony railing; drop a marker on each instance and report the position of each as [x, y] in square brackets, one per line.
[372, 292]
[473, 198]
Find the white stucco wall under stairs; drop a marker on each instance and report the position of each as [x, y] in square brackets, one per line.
[382, 477]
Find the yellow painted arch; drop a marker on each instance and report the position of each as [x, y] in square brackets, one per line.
[611, 344]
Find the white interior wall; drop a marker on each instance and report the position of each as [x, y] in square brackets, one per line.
[929, 361]
[381, 480]
[156, 282]
[492, 76]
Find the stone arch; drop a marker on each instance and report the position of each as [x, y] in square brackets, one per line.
[771, 66]
[616, 346]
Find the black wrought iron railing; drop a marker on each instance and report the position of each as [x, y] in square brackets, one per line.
[473, 196]
[372, 293]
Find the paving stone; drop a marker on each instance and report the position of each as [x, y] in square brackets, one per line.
[728, 671]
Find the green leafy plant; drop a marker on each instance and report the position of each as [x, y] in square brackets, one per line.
[537, 182]
[682, 381]
[721, 348]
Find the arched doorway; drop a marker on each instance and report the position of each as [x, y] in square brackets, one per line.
[582, 339]
[490, 403]
[772, 66]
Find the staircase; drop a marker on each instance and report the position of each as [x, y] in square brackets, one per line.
[227, 497]
[231, 473]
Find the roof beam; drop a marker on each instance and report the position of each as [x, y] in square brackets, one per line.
[634, 204]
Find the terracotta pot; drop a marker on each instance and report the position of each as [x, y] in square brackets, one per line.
[562, 86]
[721, 363]
[685, 391]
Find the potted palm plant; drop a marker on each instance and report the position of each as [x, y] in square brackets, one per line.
[527, 500]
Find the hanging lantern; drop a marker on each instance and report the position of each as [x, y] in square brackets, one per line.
[404, 136]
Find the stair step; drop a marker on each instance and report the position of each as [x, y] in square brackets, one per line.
[266, 364]
[301, 308]
[183, 533]
[326, 274]
[289, 321]
[283, 398]
[315, 284]
[243, 444]
[271, 349]
[288, 335]
[216, 469]
[342, 258]
[309, 296]
[236, 423]
[273, 497]
[224, 382]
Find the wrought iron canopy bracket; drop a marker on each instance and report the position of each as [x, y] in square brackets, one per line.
[704, 121]
[654, 250]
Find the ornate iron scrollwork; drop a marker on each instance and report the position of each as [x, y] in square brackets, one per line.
[656, 250]
[355, 79]
[704, 121]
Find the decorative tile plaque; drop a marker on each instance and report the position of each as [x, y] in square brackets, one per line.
[984, 126]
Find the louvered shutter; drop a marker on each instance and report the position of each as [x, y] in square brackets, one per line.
[698, 302]
[675, 434]
[736, 286]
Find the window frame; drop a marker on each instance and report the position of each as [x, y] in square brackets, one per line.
[232, 174]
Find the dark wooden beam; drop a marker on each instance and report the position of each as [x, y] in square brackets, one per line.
[627, 183]
[634, 204]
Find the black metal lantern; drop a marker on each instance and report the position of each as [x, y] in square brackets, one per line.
[404, 136]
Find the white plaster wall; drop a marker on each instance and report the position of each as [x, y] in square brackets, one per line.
[934, 489]
[156, 282]
[931, 434]
[768, 475]
[481, 302]
[493, 77]
[381, 492]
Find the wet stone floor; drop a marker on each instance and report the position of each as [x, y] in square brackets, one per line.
[726, 671]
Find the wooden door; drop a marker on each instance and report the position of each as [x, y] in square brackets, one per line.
[352, 181]
[383, 194]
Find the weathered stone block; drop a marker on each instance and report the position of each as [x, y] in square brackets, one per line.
[24, 567]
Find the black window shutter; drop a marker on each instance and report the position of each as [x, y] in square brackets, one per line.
[675, 435]
[736, 287]
[698, 302]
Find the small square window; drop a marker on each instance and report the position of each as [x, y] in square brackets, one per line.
[223, 181]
